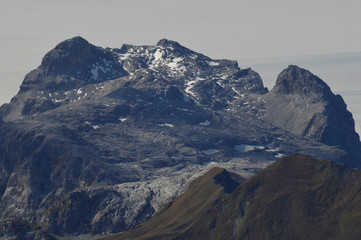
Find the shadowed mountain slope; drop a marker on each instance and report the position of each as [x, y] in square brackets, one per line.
[297, 197]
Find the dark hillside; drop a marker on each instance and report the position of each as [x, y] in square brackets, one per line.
[298, 197]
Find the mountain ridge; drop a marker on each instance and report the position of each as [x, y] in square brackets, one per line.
[99, 146]
[297, 197]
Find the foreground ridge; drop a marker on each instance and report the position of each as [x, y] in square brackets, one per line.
[297, 197]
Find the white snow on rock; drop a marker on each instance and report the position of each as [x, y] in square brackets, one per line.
[157, 55]
[190, 86]
[205, 123]
[234, 89]
[174, 64]
[166, 125]
[213, 63]
[272, 150]
[246, 148]
[210, 151]
[122, 119]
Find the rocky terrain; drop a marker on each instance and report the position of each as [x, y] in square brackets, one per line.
[97, 139]
[297, 197]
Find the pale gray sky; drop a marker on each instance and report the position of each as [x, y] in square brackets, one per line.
[231, 29]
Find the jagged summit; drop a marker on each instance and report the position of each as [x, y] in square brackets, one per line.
[304, 104]
[75, 63]
[71, 64]
[69, 54]
[168, 43]
[72, 44]
[296, 80]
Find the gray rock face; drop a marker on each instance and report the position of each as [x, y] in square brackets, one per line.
[295, 80]
[74, 63]
[97, 140]
[303, 104]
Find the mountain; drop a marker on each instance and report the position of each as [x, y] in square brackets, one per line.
[97, 139]
[298, 197]
[303, 104]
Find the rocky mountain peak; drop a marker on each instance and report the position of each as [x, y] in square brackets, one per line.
[296, 80]
[304, 104]
[168, 43]
[69, 54]
[71, 64]
[73, 43]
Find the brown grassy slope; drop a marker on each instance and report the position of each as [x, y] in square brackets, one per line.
[298, 197]
[186, 210]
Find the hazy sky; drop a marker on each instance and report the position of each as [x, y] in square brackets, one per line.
[232, 29]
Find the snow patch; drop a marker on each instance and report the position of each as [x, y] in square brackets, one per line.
[205, 123]
[190, 86]
[234, 90]
[213, 63]
[209, 163]
[193, 56]
[177, 60]
[166, 125]
[247, 148]
[272, 150]
[123, 57]
[158, 55]
[210, 151]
